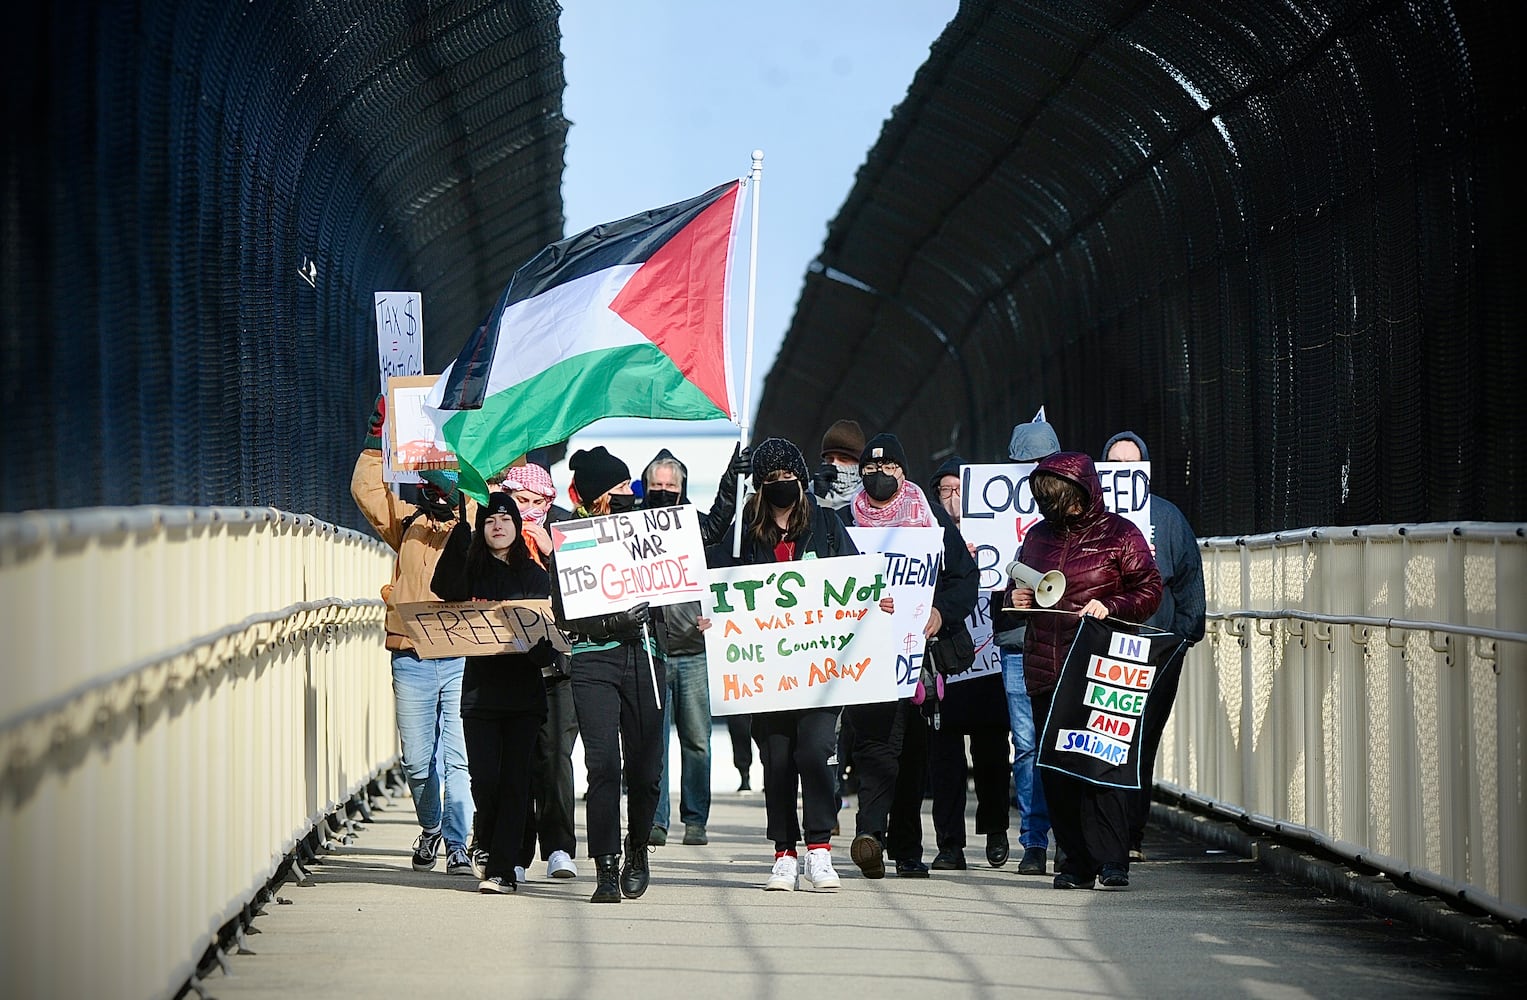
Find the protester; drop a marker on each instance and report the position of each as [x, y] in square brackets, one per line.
[1109, 573]
[551, 777]
[426, 692]
[1175, 547]
[974, 708]
[890, 739]
[665, 483]
[1029, 443]
[836, 480]
[615, 686]
[503, 700]
[783, 523]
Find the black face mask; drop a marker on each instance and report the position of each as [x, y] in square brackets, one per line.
[782, 494]
[435, 506]
[660, 498]
[622, 503]
[880, 486]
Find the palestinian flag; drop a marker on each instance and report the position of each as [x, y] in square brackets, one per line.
[627, 319]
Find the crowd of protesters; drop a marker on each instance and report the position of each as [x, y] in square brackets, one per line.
[488, 741]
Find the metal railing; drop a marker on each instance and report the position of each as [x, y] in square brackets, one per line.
[188, 692]
[1365, 690]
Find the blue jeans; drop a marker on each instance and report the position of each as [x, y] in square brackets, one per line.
[1033, 814]
[688, 705]
[428, 696]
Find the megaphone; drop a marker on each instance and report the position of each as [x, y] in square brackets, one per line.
[1047, 587]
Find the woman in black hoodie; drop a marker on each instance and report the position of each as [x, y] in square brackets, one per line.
[503, 700]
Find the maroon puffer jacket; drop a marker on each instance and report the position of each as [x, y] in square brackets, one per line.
[1102, 555]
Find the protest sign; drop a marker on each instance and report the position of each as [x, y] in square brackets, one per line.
[913, 558]
[1101, 700]
[997, 508]
[988, 654]
[400, 352]
[615, 562]
[803, 634]
[479, 628]
[413, 440]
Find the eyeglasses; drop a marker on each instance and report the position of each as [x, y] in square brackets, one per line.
[889, 468]
[948, 492]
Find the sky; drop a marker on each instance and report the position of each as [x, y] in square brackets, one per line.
[669, 99]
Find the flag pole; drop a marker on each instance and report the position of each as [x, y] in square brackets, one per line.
[755, 177]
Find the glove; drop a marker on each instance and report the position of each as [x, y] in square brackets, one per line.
[626, 622]
[542, 653]
[823, 479]
[742, 463]
[378, 422]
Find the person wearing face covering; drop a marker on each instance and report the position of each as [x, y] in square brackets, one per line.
[551, 778]
[783, 523]
[665, 483]
[890, 740]
[615, 685]
[426, 692]
[1109, 573]
[503, 700]
[836, 480]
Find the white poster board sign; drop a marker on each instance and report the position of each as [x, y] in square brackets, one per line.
[804, 634]
[988, 653]
[615, 562]
[913, 558]
[400, 351]
[997, 509]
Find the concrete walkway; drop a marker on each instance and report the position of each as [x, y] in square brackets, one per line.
[1196, 922]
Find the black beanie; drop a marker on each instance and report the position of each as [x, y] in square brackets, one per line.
[884, 448]
[774, 455]
[498, 502]
[596, 472]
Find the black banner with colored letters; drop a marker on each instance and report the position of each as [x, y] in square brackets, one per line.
[1102, 699]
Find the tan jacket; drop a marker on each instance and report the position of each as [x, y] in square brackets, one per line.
[418, 548]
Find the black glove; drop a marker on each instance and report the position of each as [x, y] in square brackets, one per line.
[822, 480]
[741, 464]
[542, 653]
[626, 622]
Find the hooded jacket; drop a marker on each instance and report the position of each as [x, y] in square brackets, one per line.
[679, 634]
[1103, 557]
[1178, 559]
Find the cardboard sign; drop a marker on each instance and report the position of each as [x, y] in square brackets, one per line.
[612, 563]
[479, 628]
[1101, 700]
[413, 440]
[988, 653]
[997, 508]
[913, 558]
[400, 352]
[805, 634]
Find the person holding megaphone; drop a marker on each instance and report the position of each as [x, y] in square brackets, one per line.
[1080, 560]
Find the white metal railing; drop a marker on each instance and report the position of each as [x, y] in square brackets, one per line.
[1366, 689]
[187, 692]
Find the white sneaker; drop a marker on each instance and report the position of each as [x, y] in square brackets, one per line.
[782, 878]
[819, 870]
[560, 865]
[519, 874]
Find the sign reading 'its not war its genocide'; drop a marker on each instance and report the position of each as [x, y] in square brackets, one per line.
[443, 629]
[612, 563]
[804, 634]
[1102, 700]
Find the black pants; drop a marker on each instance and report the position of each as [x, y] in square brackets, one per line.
[890, 751]
[740, 728]
[947, 764]
[618, 714]
[796, 748]
[1163, 693]
[551, 778]
[499, 754]
[1090, 822]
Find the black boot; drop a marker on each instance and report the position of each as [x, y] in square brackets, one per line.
[607, 872]
[634, 874]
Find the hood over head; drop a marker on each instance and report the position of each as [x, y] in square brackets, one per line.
[664, 455]
[951, 467]
[1145, 455]
[1032, 441]
[1077, 467]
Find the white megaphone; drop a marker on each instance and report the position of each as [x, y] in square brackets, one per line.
[1047, 587]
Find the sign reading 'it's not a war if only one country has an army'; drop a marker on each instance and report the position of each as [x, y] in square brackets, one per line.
[805, 634]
